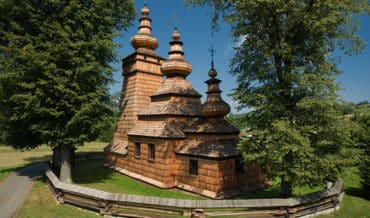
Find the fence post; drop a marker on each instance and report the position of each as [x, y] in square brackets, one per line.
[104, 207]
[290, 212]
[198, 213]
[60, 196]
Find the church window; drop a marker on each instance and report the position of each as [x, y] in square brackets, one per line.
[193, 167]
[151, 151]
[137, 149]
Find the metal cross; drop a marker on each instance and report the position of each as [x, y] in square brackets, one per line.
[212, 52]
[175, 20]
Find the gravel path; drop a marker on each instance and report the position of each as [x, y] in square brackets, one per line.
[16, 187]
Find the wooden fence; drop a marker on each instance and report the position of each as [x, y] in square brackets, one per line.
[107, 203]
[88, 156]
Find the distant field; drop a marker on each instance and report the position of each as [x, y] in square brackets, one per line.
[11, 159]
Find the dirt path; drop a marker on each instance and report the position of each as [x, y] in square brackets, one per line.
[16, 187]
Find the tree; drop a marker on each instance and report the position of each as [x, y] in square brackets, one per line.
[363, 140]
[286, 74]
[346, 108]
[55, 72]
[238, 121]
[107, 133]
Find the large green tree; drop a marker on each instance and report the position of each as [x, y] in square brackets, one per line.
[363, 139]
[287, 75]
[55, 70]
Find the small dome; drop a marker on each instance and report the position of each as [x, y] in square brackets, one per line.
[144, 41]
[218, 108]
[212, 73]
[145, 11]
[144, 37]
[214, 106]
[176, 35]
[175, 65]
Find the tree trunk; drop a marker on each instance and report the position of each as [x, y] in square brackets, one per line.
[56, 160]
[286, 188]
[66, 164]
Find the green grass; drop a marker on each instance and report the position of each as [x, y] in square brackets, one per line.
[93, 174]
[41, 203]
[274, 190]
[362, 108]
[9, 157]
[6, 171]
[354, 202]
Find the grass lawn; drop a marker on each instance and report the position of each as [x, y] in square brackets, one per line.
[93, 174]
[273, 191]
[41, 203]
[355, 202]
[11, 159]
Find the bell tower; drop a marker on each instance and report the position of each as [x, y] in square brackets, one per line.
[142, 76]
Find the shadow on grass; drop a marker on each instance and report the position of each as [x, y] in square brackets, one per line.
[357, 192]
[31, 170]
[38, 159]
[271, 192]
[91, 171]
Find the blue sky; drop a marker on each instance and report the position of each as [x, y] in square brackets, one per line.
[194, 27]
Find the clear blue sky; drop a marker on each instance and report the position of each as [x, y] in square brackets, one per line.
[194, 27]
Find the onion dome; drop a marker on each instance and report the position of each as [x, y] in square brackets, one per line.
[214, 106]
[144, 38]
[175, 65]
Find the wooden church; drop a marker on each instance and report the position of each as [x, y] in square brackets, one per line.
[165, 136]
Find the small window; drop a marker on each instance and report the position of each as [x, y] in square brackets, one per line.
[137, 149]
[193, 167]
[151, 151]
[239, 166]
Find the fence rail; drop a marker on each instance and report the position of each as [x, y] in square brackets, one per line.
[88, 156]
[107, 203]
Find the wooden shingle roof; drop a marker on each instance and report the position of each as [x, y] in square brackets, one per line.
[171, 108]
[211, 126]
[177, 86]
[157, 128]
[210, 149]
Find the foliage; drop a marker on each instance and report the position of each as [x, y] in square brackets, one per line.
[363, 138]
[54, 69]
[238, 120]
[347, 108]
[286, 75]
[107, 134]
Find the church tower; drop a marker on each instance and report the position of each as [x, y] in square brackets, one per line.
[165, 136]
[142, 76]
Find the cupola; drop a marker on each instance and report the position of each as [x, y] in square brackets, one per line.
[175, 65]
[144, 39]
[214, 106]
